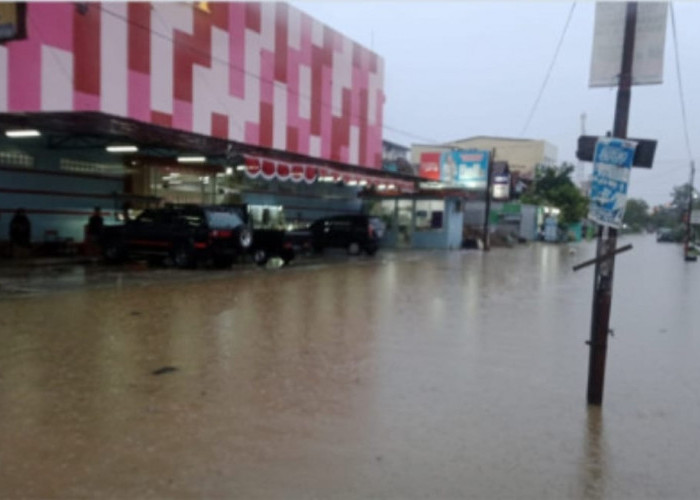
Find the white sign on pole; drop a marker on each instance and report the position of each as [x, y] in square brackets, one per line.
[650, 36]
[695, 216]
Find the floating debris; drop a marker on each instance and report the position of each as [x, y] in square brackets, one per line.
[165, 369]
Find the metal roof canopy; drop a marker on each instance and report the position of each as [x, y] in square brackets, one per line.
[92, 129]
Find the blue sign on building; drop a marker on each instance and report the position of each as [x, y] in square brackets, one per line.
[612, 162]
[466, 168]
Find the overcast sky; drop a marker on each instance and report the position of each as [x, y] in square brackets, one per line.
[458, 69]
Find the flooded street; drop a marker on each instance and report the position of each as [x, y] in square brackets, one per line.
[416, 375]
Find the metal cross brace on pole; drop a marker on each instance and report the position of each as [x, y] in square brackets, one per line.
[601, 258]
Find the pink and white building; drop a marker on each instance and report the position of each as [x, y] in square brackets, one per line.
[261, 73]
[261, 77]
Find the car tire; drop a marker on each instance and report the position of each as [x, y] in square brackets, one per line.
[354, 248]
[260, 257]
[113, 252]
[245, 238]
[183, 257]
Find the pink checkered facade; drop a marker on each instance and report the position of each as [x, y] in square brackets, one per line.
[261, 73]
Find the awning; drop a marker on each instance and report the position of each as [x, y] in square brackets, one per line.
[260, 167]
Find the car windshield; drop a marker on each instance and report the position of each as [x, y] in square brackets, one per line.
[223, 219]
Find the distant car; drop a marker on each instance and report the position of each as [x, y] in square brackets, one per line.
[355, 233]
[271, 243]
[668, 235]
[184, 234]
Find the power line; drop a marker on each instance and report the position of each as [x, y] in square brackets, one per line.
[259, 77]
[549, 70]
[680, 83]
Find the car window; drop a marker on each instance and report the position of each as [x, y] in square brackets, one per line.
[191, 219]
[147, 217]
[223, 219]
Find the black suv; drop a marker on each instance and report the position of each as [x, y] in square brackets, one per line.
[184, 234]
[355, 233]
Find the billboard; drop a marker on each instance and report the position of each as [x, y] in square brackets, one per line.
[650, 36]
[12, 21]
[612, 163]
[430, 166]
[459, 167]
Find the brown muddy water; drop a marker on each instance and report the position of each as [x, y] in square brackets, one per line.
[412, 375]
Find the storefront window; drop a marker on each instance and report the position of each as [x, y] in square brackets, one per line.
[384, 210]
[429, 214]
[267, 216]
[183, 186]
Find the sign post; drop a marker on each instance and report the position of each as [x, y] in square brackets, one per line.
[604, 269]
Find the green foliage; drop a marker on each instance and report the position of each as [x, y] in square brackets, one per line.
[553, 186]
[680, 196]
[636, 214]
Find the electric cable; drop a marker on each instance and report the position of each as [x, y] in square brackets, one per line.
[259, 77]
[680, 83]
[549, 70]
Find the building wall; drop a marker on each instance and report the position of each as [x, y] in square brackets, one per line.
[261, 73]
[522, 155]
[53, 190]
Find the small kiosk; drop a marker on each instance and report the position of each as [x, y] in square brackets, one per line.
[426, 219]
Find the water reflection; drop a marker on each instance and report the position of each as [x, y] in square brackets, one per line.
[457, 375]
[594, 463]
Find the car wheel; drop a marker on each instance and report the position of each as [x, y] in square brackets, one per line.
[245, 238]
[260, 257]
[354, 248]
[183, 257]
[113, 252]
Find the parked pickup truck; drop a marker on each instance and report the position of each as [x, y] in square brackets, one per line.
[286, 245]
[182, 234]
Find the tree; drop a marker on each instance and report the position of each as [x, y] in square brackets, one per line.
[636, 214]
[681, 196]
[553, 186]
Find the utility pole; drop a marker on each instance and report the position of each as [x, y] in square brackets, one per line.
[487, 211]
[688, 227]
[581, 166]
[604, 268]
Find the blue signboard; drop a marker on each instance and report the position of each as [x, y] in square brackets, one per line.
[466, 168]
[612, 162]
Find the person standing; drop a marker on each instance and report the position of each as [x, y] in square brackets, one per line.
[94, 231]
[20, 229]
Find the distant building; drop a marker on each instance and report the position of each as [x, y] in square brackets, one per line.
[522, 155]
[396, 158]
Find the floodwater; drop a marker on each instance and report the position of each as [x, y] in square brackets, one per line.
[416, 375]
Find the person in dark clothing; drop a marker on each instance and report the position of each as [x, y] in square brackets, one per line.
[20, 229]
[95, 224]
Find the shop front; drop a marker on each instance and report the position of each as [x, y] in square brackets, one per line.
[78, 161]
[420, 221]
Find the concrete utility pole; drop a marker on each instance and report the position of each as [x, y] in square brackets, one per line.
[688, 227]
[604, 268]
[487, 210]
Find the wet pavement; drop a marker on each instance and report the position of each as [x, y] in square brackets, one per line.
[412, 375]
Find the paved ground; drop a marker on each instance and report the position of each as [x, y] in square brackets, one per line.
[412, 375]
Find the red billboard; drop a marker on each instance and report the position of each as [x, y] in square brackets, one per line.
[430, 166]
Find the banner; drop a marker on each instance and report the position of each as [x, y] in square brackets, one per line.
[612, 163]
[466, 168]
[12, 21]
[650, 37]
[430, 166]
